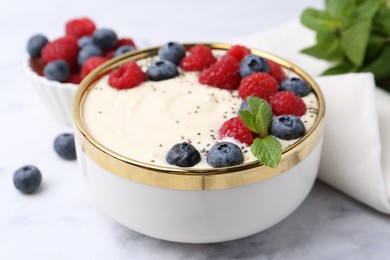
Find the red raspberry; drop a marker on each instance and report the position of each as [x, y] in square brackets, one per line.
[65, 48]
[79, 27]
[285, 102]
[200, 58]
[275, 70]
[259, 85]
[126, 41]
[109, 54]
[238, 52]
[74, 78]
[90, 64]
[224, 74]
[128, 75]
[236, 129]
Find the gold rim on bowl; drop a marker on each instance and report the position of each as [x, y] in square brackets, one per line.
[188, 178]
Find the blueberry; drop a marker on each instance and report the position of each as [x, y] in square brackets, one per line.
[224, 154]
[35, 45]
[57, 70]
[244, 105]
[84, 41]
[160, 70]
[295, 85]
[27, 179]
[88, 51]
[123, 49]
[105, 39]
[171, 51]
[65, 147]
[287, 127]
[251, 64]
[183, 155]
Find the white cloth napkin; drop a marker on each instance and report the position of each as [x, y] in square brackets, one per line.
[356, 150]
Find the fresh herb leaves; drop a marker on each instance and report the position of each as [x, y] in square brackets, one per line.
[265, 147]
[354, 34]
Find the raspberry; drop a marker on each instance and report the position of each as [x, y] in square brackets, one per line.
[126, 41]
[79, 27]
[285, 102]
[236, 129]
[238, 52]
[275, 70]
[65, 48]
[74, 78]
[90, 64]
[109, 54]
[223, 74]
[199, 59]
[259, 85]
[128, 75]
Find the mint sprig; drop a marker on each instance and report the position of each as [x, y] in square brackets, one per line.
[266, 148]
[352, 34]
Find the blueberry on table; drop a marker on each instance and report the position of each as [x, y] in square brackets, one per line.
[251, 64]
[295, 85]
[224, 154]
[171, 51]
[287, 127]
[64, 146]
[123, 49]
[88, 51]
[27, 179]
[162, 69]
[183, 155]
[105, 39]
[57, 70]
[35, 45]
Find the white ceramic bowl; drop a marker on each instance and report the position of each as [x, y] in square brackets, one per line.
[56, 96]
[196, 206]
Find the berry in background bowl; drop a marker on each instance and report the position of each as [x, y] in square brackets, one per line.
[189, 150]
[56, 67]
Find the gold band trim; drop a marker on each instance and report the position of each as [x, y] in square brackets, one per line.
[187, 178]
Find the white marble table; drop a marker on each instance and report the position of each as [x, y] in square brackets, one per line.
[62, 222]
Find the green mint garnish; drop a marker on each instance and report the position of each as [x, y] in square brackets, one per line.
[266, 148]
[354, 35]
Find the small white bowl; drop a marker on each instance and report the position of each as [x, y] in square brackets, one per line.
[196, 205]
[56, 96]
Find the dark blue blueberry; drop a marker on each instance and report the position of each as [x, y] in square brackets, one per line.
[35, 45]
[123, 49]
[160, 70]
[27, 179]
[84, 41]
[224, 154]
[287, 127]
[88, 51]
[183, 155]
[105, 39]
[171, 51]
[57, 70]
[65, 147]
[251, 64]
[295, 85]
[244, 105]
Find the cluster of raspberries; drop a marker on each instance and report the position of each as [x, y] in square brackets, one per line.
[72, 57]
[238, 69]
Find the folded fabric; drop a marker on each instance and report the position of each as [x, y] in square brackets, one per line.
[357, 129]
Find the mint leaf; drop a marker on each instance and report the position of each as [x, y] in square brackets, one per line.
[263, 117]
[268, 150]
[341, 9]
[381, 23]
[249, 120]
[354, 40]
[319, 21]
[344, 66]
[327, 50]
